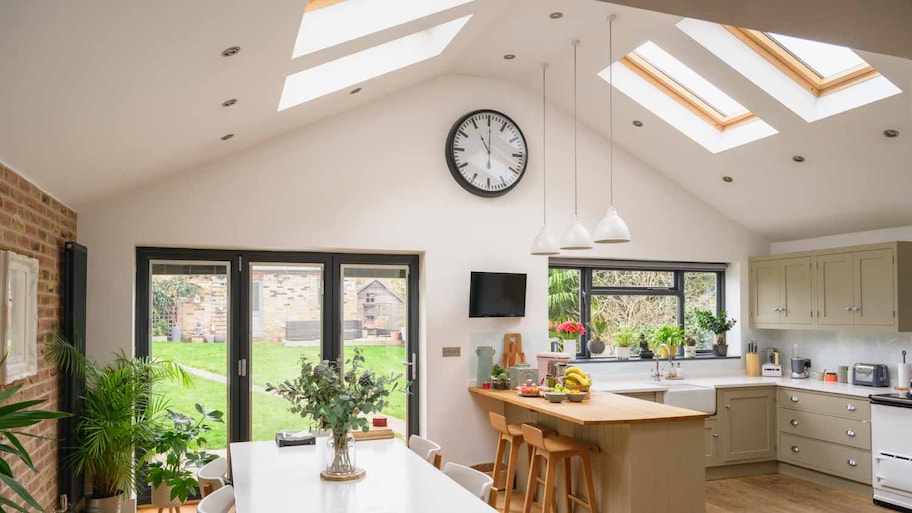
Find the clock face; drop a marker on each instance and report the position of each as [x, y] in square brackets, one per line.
[486, 153]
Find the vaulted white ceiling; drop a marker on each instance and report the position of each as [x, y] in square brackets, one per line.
[101, 96]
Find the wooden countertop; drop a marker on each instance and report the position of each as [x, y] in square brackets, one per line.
[600, 408]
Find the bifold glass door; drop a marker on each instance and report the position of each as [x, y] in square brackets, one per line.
[240, 320]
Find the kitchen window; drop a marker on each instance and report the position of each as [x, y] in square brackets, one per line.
[614, 294]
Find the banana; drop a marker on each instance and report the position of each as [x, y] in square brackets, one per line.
[573, 369]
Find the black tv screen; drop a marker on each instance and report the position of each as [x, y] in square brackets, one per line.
[497, 295]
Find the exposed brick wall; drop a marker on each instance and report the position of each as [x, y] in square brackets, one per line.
[36, 225]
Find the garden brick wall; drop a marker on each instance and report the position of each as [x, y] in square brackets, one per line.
[34, 224]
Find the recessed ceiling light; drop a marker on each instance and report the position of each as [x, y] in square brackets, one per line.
[637, 123]
[509, 56]
[728, 179]
[798, 158]
[556, 15]
[227, 136]
[890, 132]
[228, 52]
[355, 90]
[229, 103]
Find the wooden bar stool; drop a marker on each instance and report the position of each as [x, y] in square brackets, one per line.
[509, 434]
[556, 450]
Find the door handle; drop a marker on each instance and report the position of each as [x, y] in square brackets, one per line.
[794, 422]
[413, 367]
[795, 449]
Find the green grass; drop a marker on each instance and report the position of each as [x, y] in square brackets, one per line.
[270, 363]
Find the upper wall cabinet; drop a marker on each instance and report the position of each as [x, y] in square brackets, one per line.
[865, 288]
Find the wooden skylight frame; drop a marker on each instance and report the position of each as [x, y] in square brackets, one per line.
[796, 69]
[684, 96]
[313, 5]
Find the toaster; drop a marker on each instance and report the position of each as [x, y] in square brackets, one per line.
[870, 375]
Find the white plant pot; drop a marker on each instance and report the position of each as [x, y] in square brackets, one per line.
[690, 351]
[161, 497]
[104, 505]
[623, 353]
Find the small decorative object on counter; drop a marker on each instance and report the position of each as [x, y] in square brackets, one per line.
[528, 389]
[521, 372]
[645, 352]
[500, 380]
[831, 377]
[485, 364]
[486, 385]
[717, 324]
[842, 374]
[690, 348]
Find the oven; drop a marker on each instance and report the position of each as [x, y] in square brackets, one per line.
[891, 450]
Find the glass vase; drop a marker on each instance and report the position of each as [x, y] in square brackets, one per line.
[341, 462]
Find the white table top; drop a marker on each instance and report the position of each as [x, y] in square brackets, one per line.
[269, 479]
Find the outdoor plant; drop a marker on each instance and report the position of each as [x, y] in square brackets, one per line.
[121, 415]
[717, 324]
[181, 447]
[337, 400]
[12, 417]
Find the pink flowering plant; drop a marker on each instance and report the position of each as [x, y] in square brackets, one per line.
[571, 329]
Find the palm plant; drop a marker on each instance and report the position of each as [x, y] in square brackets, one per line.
[563, 294]
[12, 417]
[121, 415]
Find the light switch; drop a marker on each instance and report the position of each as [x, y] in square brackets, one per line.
[450, 352]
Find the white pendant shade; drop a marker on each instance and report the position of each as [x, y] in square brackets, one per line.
[545, 243]
[611, 229]
[576, 237]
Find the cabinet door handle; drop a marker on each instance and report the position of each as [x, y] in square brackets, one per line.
[715, 435]
[850, 309]
[850, 407]
[850, 433]
[852, 463]
[728, 406]
[795, 449]
[794, 422]
[794, 398]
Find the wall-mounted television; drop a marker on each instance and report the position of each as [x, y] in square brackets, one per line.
[497, 295]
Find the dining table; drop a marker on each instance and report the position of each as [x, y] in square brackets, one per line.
[272, 479]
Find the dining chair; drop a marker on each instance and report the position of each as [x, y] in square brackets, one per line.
[219, 501]
[426, 449]
[477, 483]
[211, 476]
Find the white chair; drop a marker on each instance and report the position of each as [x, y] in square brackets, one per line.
[426, 449]
[477, 483]
[219, 501]
[211, 476]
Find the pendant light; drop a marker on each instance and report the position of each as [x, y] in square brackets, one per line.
[545, 243]
[611, 229]
[577, 236]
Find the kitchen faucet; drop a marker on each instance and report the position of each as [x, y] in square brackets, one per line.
[656, 375]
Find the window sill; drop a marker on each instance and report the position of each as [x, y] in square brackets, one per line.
[612, 359]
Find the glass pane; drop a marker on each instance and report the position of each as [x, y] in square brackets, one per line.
[636, 312]
[563, 295]
[375, 306]
[824, 59]
[190, 321]
[649, 279]
[687, 78]
[286, 322]
[700, 293]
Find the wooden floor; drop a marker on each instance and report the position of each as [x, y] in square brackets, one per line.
[776, 493]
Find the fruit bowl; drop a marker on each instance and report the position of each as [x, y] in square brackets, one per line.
[577, 398]
[555, 397]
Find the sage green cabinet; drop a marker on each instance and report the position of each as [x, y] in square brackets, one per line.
[713, 441]
[748, 424]
[781, 292]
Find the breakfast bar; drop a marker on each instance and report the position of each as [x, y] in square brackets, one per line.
[651, 457]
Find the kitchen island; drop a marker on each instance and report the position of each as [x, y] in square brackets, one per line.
[652, 455]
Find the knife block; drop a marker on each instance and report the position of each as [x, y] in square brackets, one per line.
[752, 365]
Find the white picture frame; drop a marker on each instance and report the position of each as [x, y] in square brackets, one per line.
[18, 316]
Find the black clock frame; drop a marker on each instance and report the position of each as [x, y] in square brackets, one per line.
[454, 169]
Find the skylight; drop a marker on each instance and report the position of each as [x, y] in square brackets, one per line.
[332, 22]
[373, 62]
[824, 59]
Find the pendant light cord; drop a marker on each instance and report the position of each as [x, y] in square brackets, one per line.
[611, 110]
[575, 172]
[544, 155]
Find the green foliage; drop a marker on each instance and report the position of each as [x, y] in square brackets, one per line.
[563, 295]
[598, 328]
[711, 322]
[160, 329]
[625, 337]
[181, 447]
[12, 417]
[121, 415]
[167, 292]
[670, 335]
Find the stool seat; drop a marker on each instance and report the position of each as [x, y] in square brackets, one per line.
[567, 444]
[514, 429]
[557, 451]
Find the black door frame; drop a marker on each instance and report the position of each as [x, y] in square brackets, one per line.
[239, 389]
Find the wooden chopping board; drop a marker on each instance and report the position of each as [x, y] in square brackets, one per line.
[513, 351]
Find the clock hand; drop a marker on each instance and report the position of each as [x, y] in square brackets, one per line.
[487, 148]
[489, 142]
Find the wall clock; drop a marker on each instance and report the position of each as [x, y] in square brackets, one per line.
[486, 153]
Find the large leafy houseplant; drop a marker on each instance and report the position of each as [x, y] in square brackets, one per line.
[14, 416]
[180, 446]
[120, 419]
[668, 335]
[337, 400]
[717, 324]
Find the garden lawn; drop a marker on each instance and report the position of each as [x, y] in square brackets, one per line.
[270, 363]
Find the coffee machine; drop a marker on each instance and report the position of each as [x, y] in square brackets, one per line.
[801, 367]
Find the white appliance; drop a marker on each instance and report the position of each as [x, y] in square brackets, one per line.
[891, 450]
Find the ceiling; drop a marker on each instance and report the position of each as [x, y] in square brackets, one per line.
[108, 96]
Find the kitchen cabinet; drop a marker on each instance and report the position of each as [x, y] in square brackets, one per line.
[713, 441]
[865, 288]
[748, 424]
[781, 292]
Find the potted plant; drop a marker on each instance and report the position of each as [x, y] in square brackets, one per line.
[337, 401]
[13, 416]
[500, 380]
[623, 339]
[690, 348]
[717, 324]
[172, 481]
[569, 331]
[668, 337]
[120, 417]
[598, 333]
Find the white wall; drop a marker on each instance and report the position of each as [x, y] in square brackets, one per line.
[307, 190]
[829, 349]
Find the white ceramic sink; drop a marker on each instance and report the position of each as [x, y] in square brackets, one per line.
[692, 397]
